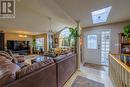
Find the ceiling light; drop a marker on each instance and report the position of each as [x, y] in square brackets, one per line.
[22, 36]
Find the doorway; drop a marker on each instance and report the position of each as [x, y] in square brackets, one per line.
[97, 46]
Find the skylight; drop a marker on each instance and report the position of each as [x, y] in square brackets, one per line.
[101, 15]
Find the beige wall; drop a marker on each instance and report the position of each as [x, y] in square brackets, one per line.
[115, 28]
[15, 36]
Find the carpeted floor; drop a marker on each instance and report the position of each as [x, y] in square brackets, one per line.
[85, 82]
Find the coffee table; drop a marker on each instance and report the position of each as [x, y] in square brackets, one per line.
[39, 59]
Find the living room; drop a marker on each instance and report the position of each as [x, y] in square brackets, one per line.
[64, 43]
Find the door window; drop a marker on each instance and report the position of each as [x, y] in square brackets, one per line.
[91, 41]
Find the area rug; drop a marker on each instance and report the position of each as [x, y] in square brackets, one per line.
[85, 82]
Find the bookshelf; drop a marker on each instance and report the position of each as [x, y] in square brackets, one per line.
[124, 45]
[124, 48]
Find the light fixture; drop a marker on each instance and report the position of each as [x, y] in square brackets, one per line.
[101, 15]
[22, 36]
[50, 25]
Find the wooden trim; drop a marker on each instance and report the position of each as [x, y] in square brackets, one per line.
[121, 54]
[119, 62]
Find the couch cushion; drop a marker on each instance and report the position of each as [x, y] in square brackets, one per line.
[10, 53]
[3, 60]
[7, 70]
[12, 67]
[23, 64]
[26, 70]
[6, 77]
[29, 69]
[5, 54]
[8, 65]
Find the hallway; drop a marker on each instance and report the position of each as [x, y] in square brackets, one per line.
[92, 74]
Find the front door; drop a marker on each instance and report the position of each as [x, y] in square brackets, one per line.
[96, 46]
[92, 47]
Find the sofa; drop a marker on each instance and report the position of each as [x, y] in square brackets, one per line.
[53, 72]
[38, 78]
[35, 75]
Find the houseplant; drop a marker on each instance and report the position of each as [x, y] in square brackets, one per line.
[73, 35]
[126, 32]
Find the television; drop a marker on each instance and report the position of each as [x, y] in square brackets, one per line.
[17, 45]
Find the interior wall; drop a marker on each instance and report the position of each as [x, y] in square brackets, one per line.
[115, 28]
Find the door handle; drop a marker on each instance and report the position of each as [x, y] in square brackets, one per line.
[99, 46]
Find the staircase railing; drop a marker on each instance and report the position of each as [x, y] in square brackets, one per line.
[119, 70]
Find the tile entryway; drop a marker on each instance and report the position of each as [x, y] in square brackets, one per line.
[93, 74]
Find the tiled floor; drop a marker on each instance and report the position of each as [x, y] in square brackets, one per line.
[95, 66]
[93, 74]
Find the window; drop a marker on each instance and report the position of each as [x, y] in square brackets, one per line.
[63, 38]
[101, 15]
[105, 48]
[40, 44]
[92, 41]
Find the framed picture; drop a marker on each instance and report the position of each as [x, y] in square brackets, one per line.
[56, 40]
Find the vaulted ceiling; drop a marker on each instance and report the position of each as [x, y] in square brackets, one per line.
[81, 10]
[33, 16]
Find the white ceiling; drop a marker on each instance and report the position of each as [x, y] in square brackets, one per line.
[81, 10]
[32, 15]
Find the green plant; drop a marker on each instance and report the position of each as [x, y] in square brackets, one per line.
[34, 43]
[73, 35]
[126, 31]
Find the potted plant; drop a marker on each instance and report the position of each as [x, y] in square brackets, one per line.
[126, 32]
[73, 35]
